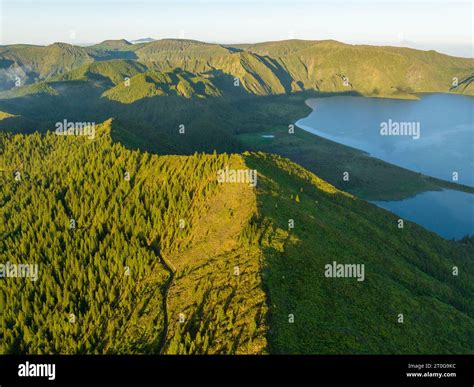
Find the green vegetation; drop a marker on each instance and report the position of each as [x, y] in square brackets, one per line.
[407, 271]
[225, 97]
[370, 70]
[30, 63]
[153, 83]
[103, 284]
[113, 45]
[264, 68]
[114, 71]
[371, 178]
[168, 260]
[171, 261]
[154, 105]
[217, 286]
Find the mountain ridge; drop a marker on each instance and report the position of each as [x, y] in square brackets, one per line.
[264, 68]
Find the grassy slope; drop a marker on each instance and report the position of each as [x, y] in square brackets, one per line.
[213, 297]
[114, 71]
[153, 83]
[118, 44]
[407, 271]
[197, 57]
[371, 70]
[32, 62]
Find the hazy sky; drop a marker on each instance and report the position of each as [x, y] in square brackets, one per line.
[445, 26]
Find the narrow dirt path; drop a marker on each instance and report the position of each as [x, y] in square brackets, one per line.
[172, 270]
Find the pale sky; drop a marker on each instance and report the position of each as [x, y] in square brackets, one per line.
[442, 25]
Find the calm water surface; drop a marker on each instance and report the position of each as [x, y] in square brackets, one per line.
[443, 147]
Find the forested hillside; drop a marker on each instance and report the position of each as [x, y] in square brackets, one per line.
[141, 253]
[109, 229]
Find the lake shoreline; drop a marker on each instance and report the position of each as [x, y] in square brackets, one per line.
[428, 207]
[443, 183]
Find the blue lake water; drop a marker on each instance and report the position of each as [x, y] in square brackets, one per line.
[448, 213]
[433, 135]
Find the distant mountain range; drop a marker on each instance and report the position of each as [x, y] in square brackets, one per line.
[262, 69]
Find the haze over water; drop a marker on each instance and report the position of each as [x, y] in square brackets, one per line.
[445, 146]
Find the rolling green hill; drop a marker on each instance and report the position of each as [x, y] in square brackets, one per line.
[39, 62]
[112, 45]
[154, 83]
[169, 260]
[115, 71]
